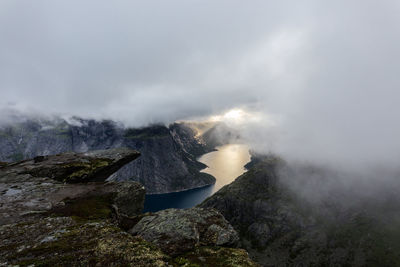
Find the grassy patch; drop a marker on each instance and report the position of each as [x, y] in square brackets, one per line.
[86, 208]
[83, 169]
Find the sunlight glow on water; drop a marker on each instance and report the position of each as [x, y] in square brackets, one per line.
[226, 164]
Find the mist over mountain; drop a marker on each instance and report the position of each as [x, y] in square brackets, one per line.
[311, 87]
[325, 73]
[168, 153]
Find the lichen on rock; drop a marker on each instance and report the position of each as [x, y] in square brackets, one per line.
[46, 222]
[65, 242]
[178, 231]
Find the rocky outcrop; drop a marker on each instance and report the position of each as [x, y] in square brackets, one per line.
[280, 229]
[168, 162]
[37, 186]
[62, 241]
[76, 167]
[46, 222]
[178, 231]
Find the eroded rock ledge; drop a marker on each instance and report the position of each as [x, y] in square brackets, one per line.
[36, 186]
[58, 211]
[178, 231]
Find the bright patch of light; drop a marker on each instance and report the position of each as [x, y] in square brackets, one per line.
[234, 114]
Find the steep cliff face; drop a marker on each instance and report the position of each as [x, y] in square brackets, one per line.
[165, 166]
[168, 160]
[33, 137]
[280, 229]
[189, 139]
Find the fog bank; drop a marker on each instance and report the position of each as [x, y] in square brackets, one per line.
[321, 78]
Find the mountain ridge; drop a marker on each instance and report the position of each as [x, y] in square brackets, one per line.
[168, 162]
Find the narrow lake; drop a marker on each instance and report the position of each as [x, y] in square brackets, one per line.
[225, 164]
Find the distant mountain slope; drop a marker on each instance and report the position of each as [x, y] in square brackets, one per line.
[168, 162]
[165, 164]
[280, 229]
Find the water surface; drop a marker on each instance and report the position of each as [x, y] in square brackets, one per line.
[225, 165]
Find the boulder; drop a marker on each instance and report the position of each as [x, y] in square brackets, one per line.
[177, 231]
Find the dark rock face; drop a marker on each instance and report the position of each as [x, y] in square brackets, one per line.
[129, 200]
[177, 231]
[29, 138]
[279, 229]
[187, 138]
[164, 166]
[167, 163]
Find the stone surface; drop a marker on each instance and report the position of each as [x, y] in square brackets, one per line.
[177, 231]
[76, 167]
[61, 241]
[45, 222]
[33, 187]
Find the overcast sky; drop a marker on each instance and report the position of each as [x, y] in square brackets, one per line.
[324, 75]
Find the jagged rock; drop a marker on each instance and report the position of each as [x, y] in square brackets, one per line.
[27, 187]
[44, 222]
[177, 231]
[129, 200]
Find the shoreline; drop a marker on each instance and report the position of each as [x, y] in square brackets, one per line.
[180, 191]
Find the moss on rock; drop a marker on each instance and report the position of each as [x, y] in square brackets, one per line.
[86, 208]
[80, 244]
[214, 257]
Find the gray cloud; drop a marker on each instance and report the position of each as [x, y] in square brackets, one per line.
[326, 74]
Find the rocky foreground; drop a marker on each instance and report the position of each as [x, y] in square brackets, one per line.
[58, 211]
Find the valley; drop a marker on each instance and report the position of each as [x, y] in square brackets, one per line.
[225, 164]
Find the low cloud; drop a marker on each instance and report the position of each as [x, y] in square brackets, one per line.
[321, 77]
